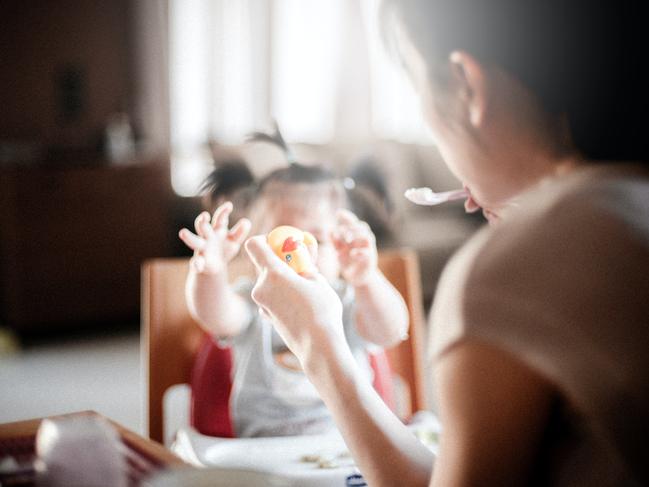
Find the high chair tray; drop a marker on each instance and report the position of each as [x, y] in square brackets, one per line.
[216, 477]
[308, 460]
[286, 461]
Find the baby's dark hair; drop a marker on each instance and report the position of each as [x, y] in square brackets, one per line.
[232, 176]
[295, 172]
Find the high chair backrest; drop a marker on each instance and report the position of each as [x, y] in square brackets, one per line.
[171, 339]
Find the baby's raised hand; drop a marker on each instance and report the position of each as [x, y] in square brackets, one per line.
[356, 247]
[213, 244]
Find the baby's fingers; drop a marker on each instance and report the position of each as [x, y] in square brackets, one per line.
[240, 231]
[343, 237]
[222, 216]
[349, 230]
[359, 254]
[352, 242]
[199, 223]
[361, 242]
[364, 242]
[346, 217]
[192, 241]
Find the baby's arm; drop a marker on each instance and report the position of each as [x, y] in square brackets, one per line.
[210, 299]
[381, 313]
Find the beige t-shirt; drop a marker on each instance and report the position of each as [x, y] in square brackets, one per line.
[563, 285]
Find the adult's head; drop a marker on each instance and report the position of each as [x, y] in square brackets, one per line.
[514, 90]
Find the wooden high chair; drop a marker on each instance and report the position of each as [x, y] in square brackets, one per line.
[170, 337]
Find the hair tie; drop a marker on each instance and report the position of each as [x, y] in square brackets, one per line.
[275, 139]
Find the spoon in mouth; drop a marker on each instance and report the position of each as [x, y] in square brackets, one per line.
[427, 197]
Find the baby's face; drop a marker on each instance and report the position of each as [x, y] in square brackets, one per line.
[312, 214]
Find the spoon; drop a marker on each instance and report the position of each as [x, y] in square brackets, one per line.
[427, 197]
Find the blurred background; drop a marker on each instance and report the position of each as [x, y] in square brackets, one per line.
[111, 115]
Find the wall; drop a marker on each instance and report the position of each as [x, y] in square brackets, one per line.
[65, 67]
[39, 41]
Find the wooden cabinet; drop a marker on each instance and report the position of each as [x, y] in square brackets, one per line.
[72, 240]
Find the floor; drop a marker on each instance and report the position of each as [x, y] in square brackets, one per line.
[98, 373]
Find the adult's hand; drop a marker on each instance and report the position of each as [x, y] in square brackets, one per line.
[308, 315]
[304, 309]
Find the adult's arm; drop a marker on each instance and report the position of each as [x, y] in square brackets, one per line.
[494, 410]
[308, 315]
[386, 452]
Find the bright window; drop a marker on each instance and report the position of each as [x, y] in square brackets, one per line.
[237, 64]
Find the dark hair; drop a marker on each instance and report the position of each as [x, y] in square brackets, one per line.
[231, 178]
[294, 173]
[228, 177]
[582, 59]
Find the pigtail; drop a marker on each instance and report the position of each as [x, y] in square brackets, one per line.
[278, 181]
[231, 179]
[275, 139]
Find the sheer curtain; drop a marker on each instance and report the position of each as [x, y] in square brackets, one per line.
[396, 114]
[306, 63]
[315, 66]
[218, 79]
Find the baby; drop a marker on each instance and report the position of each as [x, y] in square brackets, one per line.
[270, 394]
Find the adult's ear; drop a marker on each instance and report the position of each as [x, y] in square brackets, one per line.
[470, 79]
